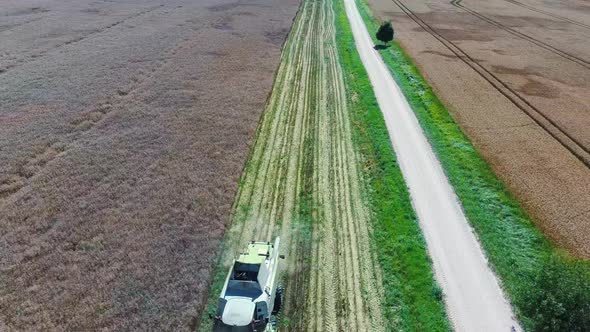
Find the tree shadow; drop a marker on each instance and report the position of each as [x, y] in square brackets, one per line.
[380, 47]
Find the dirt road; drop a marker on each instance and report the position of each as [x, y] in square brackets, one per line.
[303, 182]
[473, 297]
[124, 128]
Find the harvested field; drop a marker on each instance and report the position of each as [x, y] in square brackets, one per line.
[304, 183]
[515, 75]
[123, 134]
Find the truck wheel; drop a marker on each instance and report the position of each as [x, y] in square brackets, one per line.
[278, 300]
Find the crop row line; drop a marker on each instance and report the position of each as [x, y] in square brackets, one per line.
[302, 182]
[552, 49]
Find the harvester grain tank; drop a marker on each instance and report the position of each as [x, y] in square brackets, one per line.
[250, 295]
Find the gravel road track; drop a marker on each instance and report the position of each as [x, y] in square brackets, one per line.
[474, 299]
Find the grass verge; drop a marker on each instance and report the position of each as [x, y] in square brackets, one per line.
[522, 257]
[413, 300]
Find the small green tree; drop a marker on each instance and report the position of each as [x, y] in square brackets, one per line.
[559, 298]
[385, 32]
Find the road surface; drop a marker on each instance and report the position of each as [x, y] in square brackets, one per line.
[473, 297]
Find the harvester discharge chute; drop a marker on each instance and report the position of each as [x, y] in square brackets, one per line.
[250, 295]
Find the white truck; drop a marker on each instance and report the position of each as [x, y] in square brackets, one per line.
[250, 295]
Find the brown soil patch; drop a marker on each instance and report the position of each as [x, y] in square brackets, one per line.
[515, 57]
[123, 135]
[535, 88]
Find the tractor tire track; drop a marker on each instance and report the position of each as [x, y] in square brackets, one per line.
[303, 182]
[563, 18]
[541, 44]
[12, 184]
[40, 55]
[10, 27]
[577, 148]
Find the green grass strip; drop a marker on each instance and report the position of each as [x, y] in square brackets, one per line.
[413, 300]
[517, 250]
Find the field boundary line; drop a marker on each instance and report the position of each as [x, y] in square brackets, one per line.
[552, 49]
[563, 18]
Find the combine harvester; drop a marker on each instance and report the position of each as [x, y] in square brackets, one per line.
[251, 296]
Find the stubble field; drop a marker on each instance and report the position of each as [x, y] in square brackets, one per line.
[303, 183]
[124, 127]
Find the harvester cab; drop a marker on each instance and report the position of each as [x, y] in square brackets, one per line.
[251, 295]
